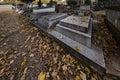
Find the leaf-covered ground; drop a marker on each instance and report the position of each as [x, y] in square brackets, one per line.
[27, 53]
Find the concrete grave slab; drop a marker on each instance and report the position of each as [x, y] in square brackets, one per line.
[76, 22]
[76, 28]
[43, 10]
[51, 20]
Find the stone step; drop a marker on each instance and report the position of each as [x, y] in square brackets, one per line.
[49, 22]
[76, 22]
[43, 10]
[84, 38]
[54, 16]
[36, 16]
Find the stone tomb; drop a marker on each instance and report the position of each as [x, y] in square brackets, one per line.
[36, 16]
[76, 31]
[70, 38]
[77, 28]
[84, 10]
[38, 13]
[49, 21]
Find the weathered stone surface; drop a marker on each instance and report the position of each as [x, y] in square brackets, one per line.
[76, 28]
[50, 20]
[87, 7]
[75, 35]
[36, 16]
[77, 23]
[43, 10]
[113, 16]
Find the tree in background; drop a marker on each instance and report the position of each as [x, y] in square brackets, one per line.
[87, 2]
[39, 3]
[27, 1]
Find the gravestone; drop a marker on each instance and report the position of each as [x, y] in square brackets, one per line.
[76, 31]
[35, 17]
[84, 10]
[49, 21]
[38, 13]
[77, 28]
[44, 10]
[71, 35]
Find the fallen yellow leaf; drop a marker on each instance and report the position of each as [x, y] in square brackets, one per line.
[87, 70]
[78, 67]
[83, 76]
[23, 63]
[28, 38]
[77, 48]
[24, 74]
[41, 76]
[77, 78]
[11, 61]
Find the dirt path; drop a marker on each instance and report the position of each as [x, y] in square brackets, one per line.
[26, 53]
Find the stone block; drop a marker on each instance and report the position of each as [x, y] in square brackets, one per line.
[76, 22]
[49, 20]
[84, 38]
[43, 10]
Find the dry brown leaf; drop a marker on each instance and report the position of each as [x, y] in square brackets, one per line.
[31, 55]
[29, 47]
[6, 52]
[77, 78]
[58, 48]
[47, 74]
[45, 46]
[28, 38]
[24, 73]
[32, 39]
[54, 74]
[41, 76]
[58, 68]
[78, 67]
[83, 76]
[11, 77]
[64, 67]
[2, 70]
[55, 59]
[94, 77]
[23, 53]
[58, 77]
[11, 61]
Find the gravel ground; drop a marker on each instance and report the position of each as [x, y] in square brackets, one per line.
[26, 53]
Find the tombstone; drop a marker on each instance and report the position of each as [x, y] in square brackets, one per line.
[37, 13]
[43, 10]
[35, 17]
[76, 32]
[49, 21]
[71, 32]
[84, 10]
[77, 28]
[18, 7]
